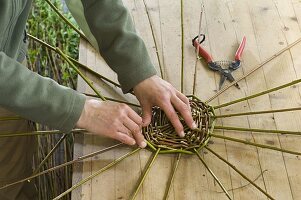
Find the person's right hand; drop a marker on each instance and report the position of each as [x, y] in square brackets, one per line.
[114, 120]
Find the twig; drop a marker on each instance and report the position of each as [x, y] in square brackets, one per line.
[3, 135]
[81, 74]
[63, 165]
[66, 20]
[96, 173]
[255, 69]
[175, 167]
[115, 100]
[240, 173]
[145, 174]
[257, 130]
[213, 175]
[255, 144]
[50, 153]
[182, 46]
[259, 94]
[80, 65]
[258, 112]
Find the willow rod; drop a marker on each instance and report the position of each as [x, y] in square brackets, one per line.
[213, 175]
[197, 51]
[10, 118]
[155, 41]
[63, 165]
[240, 173]
[50, 153]
[182, 46]
[259, 94]
[4, 135]
[175, 167]
[257, 112]
[114, 100]
[255, 144]
[145, 174]
[257, 130]
[80, 65]
[66, 20]
[96, 173]
[81, 74]
[255, 69]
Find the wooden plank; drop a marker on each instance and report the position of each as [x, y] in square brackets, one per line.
[269, 26]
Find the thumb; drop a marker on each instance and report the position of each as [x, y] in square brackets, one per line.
[146, 115]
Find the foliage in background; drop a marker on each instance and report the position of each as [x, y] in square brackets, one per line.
[46, 25]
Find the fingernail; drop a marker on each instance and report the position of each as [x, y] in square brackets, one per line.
[143, 144]
[133, 142]
[182, 134]
[194, 126]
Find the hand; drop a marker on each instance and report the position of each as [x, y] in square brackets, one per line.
[114, 120]
[156, 92]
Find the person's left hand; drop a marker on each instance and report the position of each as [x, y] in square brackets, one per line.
[156, 92]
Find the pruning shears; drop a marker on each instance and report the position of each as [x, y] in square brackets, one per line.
[225, 68]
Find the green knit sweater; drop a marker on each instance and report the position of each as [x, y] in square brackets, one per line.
[109, 28]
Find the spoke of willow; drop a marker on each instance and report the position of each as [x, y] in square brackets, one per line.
[66, 20]
[240, 173]
[145, 174]
[96, 174]
[81, 74]
[259, 94]
[257, 130]
[213, 175]
[255, 69]
[63, 165]
[172, 176]
[4, 135]
[258, 112]
[50, 153]
[256, 144]
[80, 65]
[115, 100]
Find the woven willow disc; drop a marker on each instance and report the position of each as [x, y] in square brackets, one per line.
[161, 134]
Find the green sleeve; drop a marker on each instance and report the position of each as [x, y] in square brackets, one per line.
[37, 98]
[109, 27]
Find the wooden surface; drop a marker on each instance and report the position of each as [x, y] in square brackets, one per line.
[269, 25]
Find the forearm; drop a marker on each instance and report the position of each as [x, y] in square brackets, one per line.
[37, 98]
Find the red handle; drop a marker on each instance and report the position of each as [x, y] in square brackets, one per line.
[202, 52]
[240, 49]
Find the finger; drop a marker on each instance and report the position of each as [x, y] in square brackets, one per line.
[173, 117]
[124, 138]
[183, 98]
[184, 111]
[136, 132]
[134, 116]
[146, 114]
[123, 129]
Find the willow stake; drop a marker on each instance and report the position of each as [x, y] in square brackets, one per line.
[257, 130]
[240, 173]
[258, 112]
[255, 144]
[182, 46]
[4, 135]
[63, 165]
[259, 94]
[175, 167]
[96, 174]
[81, 74]
[145, 174]
[213, 175]
[66, 20]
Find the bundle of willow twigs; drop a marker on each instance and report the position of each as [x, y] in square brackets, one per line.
[161, 134]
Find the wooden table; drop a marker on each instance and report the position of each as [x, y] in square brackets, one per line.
[269, 25]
